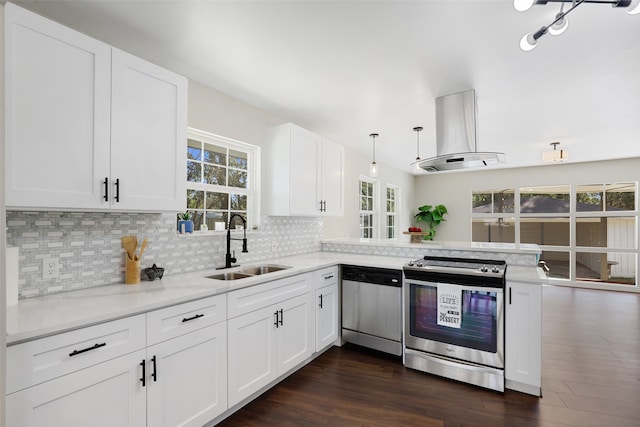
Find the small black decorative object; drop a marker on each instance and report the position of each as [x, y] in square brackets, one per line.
[154, 272]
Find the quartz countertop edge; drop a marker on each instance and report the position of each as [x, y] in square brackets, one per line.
[39, 317]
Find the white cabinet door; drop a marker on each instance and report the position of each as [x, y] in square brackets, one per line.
[251, 353]
[523, 337]
[292, 172]
[148, 137]
[105, 395]
[187, 378]
[305, 148]
[332, 178]
[57, 114]
[326, 316]
[294, 333]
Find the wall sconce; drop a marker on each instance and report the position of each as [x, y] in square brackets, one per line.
[555, 155]
[530, 40]
[373, 169]
[416, 163]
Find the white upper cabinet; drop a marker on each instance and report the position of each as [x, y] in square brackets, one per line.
[148, 135]
[332, 188]
[304, 173]
[88, 126]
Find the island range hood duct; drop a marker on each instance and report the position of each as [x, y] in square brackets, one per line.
[456, 136]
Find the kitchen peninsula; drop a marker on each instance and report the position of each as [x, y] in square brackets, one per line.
[105, 326]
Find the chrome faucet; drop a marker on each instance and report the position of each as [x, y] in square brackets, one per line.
[230, 259]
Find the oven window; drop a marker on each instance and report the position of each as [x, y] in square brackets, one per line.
[478, 329]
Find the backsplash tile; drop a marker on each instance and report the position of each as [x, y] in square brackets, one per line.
[89, 248]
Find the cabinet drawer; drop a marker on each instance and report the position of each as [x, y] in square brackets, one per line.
[180, 319]
[36, 361]
[256, 297]
[326, 276]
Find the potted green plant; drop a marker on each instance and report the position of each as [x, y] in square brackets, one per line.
[185, 224]
[433, 216]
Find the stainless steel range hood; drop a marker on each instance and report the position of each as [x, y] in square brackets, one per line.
[456, 146]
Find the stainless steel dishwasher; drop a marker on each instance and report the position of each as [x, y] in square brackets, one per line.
[372, 308]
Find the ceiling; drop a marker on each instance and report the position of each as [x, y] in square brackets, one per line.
[345, 69]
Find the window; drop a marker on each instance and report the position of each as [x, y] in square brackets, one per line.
[367, 208]
[392, 212]
[587, 233]
[220, 179]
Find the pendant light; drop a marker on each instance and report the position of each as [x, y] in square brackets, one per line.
[555, 155]
[373, 169]
[416, 164]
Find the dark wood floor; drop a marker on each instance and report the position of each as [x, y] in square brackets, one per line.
[591, 377]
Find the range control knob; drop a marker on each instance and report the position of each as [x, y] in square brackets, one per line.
[410, 264]
[484, 269]
[419, 264]
[495, 270]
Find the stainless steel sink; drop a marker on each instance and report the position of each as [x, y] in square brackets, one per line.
[263, 269]
[248, 272]
[233, 275]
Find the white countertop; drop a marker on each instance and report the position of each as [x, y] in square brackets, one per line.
[41, 316]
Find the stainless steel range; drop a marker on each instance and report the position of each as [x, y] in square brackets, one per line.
[454, 319]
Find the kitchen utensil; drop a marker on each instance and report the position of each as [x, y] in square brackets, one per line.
[129, 243]
[142, 248]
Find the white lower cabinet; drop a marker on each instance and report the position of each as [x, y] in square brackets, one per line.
[105, 395]
[327, 307]
[186, 378]
[103, 375]
[269, 341]
[523, 338]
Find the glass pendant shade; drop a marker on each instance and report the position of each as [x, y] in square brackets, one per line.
[527, 42]
[559, 27]
[522, 5]
[373, 169]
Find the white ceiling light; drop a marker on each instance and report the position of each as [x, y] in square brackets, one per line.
[559, 24]
[416, 163]
[373, 168]
[555, 155]
[634, 8]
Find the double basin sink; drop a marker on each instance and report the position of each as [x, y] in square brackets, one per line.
[248, 272]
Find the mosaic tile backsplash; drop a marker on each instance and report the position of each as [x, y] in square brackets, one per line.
[89, 248]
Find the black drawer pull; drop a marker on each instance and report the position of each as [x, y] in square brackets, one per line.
[144, 373]
[93, 347]
[154, 374]
[281, 317]
[106, 189]
[117, 198]
[328, 277]
[321, 301]
[276, 321]
[197, 316]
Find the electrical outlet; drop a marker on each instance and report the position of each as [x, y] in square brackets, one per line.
[273, 246]
[50, 268]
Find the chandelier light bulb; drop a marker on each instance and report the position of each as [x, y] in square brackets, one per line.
[522, 5]
[373, 168]
[559, 27]
[634, 8]
[527, 42]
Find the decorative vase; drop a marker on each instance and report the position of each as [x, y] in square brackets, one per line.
[185, 226]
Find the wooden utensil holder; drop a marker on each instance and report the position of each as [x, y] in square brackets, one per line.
[132, 272]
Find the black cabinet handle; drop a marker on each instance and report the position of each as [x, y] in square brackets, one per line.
[106, 188]
[117, 198]
[509, 295]
[320, 300]
[197, 316]
[276, 321]
[330, 276]
[154, 374]
[144, 374]
[93, 347]
[281, 317]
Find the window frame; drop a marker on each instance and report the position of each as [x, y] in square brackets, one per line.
[395, 214]
[252, 190]
[373, 215]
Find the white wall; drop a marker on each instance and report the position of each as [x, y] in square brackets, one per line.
[215, 112]
[454, 189]
[3, 293]
[356, 165]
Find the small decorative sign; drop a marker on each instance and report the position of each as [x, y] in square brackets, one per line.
[449, 305]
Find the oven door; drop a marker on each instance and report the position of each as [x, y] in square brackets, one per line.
[480, 337]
